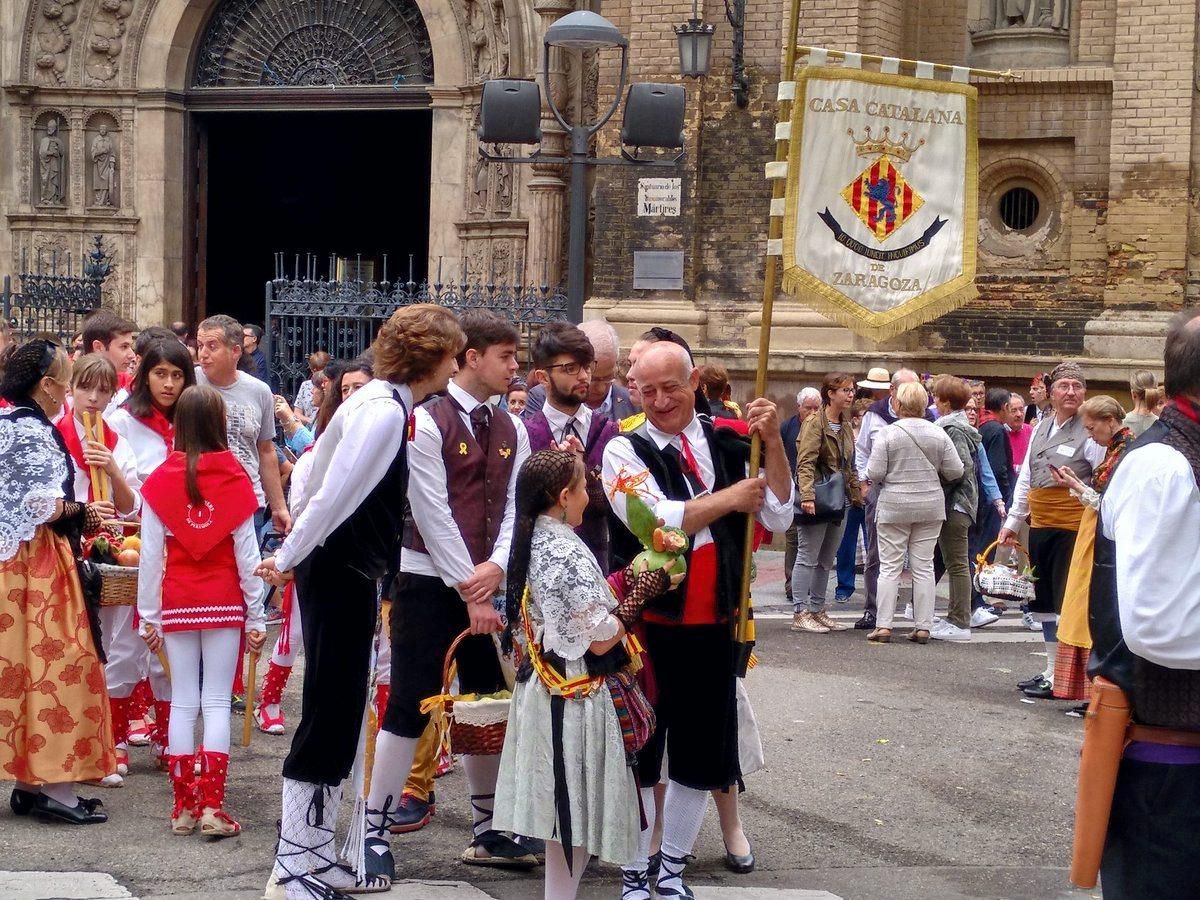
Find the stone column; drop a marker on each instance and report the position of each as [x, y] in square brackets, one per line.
[547, 187]
[73, 188]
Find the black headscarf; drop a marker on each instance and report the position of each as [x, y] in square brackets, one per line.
[25, 367]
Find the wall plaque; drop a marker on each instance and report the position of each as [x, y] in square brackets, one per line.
[659, 196]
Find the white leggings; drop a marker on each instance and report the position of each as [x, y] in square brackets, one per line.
[218, 649]
[295, 639]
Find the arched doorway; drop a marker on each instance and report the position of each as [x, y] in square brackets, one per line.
[309, 132]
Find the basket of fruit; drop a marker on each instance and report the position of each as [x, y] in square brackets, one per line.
[116, 557]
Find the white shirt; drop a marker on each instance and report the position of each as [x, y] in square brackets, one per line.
[558, 422]
[448, 557]
[1152, 511]
[354, 453]
[1019, 510]
[114, 404]
[775, 515]
[148, 446]
[150, 571]
[872, 423]
[126, 462]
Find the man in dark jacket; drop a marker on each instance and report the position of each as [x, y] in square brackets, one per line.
[999, 453]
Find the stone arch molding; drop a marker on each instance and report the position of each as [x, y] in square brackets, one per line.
[149, 44]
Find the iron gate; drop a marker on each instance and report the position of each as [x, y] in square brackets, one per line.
[342, 317]
[50, 302]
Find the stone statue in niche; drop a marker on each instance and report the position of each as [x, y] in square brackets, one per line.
[52, 154]
[504, 186]
[481, 52]
[104, 168]
[500, 29]
[1052, 14]
[480, 191]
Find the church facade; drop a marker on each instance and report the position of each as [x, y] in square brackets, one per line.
[164, 125]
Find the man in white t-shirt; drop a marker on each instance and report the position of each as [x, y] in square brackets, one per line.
[249, 412]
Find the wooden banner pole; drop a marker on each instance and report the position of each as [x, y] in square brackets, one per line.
[774, 232]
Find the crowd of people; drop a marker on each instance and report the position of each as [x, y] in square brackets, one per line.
[457, 508]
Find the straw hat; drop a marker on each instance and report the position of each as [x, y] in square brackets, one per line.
[878, 379]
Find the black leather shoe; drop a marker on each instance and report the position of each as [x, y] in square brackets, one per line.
[1030, 682]
[22, 802]
[85, 812]
[1041, 690]
[742, 865]
[866, 623]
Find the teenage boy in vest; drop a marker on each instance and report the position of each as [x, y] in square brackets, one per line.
[878, 416]
[347, 535]
[1059, 441]
[564, 355]
[464, 457]
[696, 481]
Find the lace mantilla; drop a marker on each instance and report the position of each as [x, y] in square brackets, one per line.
[570, 600]
[34, 472]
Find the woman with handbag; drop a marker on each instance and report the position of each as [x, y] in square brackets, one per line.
[828, 483]
[566, 773]
[909, 459]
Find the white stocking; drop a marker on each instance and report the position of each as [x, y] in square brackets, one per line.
[683, 814]
[393, 760]
[562, 884]
[481, 780]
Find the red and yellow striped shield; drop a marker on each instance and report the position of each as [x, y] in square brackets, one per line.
[881, 198]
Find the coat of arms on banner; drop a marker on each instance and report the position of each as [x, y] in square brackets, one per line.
[880, 211]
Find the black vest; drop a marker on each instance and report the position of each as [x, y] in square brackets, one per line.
[369, 540]
[730, 453]
[1159, 695]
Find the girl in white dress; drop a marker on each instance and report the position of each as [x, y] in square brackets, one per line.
[565, 773]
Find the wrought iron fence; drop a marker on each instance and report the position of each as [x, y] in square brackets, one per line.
[342, 317]
[54, 300]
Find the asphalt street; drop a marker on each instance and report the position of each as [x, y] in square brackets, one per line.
[893, 771]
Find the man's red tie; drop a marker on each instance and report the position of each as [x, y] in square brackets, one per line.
[690, 465]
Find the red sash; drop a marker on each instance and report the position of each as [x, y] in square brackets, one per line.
[160, 425]
[66, 427]
[228, 499]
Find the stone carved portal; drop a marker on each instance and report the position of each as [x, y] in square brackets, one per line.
[274, 43]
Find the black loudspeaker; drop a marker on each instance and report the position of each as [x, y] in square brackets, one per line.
[654, 116]
[510, 112]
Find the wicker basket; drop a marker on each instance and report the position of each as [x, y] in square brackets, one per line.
[118, 585]
[477, 727]
[1003, 582]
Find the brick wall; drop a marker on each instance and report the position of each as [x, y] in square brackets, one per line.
[1115, 137]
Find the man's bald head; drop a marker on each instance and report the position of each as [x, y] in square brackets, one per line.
[660, 358]
[667, 381]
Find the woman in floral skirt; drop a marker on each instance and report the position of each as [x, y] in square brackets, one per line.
[55, 728]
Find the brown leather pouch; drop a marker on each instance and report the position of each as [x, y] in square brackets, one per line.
[1104, 739]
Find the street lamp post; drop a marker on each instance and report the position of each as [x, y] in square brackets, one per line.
[588, 31]
[653, 118]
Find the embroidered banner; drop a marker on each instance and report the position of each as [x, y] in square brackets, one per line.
[880, 216]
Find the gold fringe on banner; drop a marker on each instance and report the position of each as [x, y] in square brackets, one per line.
[827, 299]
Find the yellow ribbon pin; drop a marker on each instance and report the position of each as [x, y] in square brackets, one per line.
[462, 448]
[505, 452]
